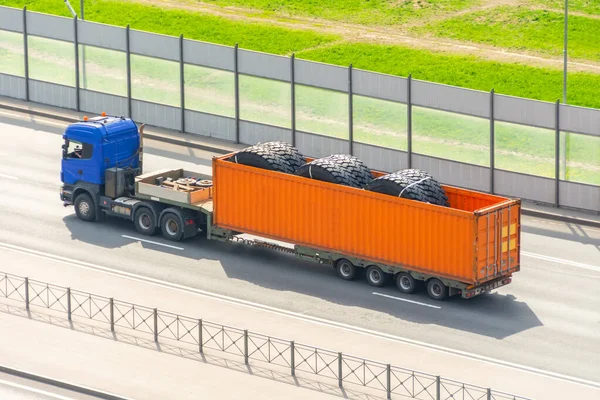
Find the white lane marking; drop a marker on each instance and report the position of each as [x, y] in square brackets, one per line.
[561, 261]
[406, 300]
[150, 241]
[34, 390]
[8, 177]
[298, 316]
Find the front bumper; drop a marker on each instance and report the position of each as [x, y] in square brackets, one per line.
[66, 195]
[486, 287]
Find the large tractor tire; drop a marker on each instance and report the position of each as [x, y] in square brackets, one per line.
[274, 156]
[334, 169]
[411, 184]
[355, 166]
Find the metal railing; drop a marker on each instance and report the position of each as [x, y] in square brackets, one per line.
[205, 335]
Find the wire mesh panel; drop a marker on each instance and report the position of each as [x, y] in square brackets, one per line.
[413, 384]
[12, 287]
[271, 350]
[176, 327]
[450, 390]
[316, 361]
[223, 338]
[134, 317]
[48, 296]
[364, 372]
[90, 306]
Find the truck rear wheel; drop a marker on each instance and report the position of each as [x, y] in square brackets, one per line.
[436, 289]
[171, 227]
[406, 283]
[85, 208]
[345, 269]
[375, 276]
[144, 221]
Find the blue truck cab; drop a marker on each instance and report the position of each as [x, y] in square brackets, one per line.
[94, 149]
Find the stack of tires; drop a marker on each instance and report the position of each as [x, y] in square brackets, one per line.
[343, 169]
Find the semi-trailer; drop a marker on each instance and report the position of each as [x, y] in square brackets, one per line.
[467, 248]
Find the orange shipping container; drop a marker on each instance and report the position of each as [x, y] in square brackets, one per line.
[473, 241]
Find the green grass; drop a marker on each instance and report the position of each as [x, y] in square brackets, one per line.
[368, 12]
[522, 29]
[590, 7]
[192, 25]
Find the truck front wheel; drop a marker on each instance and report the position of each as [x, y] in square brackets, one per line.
[436, 289]
[171, 227]
[85, 208]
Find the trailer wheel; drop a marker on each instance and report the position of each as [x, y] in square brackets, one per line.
[436, 289]
[85, 208]
[345, 269]
[144, 221]
[171, 227]
[375, 276]
[406, 283]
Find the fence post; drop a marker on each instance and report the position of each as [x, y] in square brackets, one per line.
[350, 113]
[69, 312]
[112, 314]
[182, 83]
[492, 142]
[246, 346]
[27, 293]
[489, 394]
[340, 376]
[438, 391]
[76, 42]
[128, 58]
[200, 341]
[293, 103]
[292, 358]
[26, 53]
[409, 119]
[237, 94]
[156, 325]
[557, 156]
[389, 381]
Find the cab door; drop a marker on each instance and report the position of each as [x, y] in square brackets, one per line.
[78, 163]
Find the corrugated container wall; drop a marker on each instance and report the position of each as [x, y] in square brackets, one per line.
[351, 221]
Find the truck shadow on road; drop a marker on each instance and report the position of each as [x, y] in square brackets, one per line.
[493, 315]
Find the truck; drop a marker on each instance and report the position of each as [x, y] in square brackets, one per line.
[466, 249]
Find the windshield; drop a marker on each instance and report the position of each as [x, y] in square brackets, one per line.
[73, 149]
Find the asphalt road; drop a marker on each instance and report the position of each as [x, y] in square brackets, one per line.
[548, 318]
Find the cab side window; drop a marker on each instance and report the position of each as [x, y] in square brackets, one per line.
[79, 151]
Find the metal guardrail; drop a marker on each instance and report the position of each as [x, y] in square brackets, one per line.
[344, 368]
